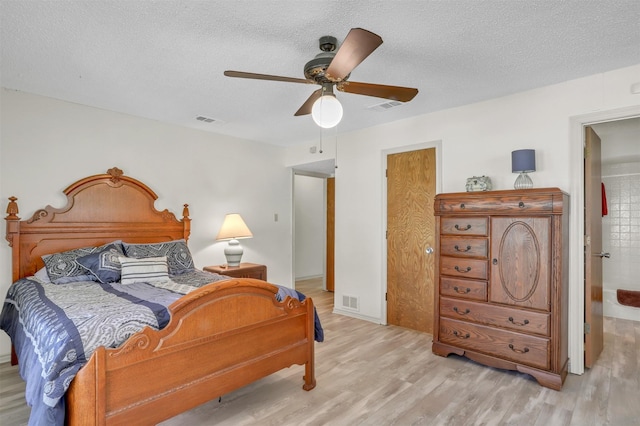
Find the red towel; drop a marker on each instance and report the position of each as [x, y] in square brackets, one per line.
[605, 210]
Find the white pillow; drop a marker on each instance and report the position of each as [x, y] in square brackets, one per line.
[42, 275]
[145, 270]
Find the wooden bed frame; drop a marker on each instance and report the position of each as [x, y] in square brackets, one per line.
[220, 337]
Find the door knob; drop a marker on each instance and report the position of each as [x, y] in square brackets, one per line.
[603, 254]
[429, 250]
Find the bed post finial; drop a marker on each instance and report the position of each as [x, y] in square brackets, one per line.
[13, 226]
[186, 221]
[12, 209]
[115, 174]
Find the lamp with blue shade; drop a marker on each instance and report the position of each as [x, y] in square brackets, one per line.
[523, 161]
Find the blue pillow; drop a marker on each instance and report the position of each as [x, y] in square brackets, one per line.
[62, 267]
[103, 264]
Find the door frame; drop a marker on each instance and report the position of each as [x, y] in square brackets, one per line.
[437, 144]
[577, 226]
[324, 177]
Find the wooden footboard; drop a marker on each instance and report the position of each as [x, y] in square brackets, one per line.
[220, 337]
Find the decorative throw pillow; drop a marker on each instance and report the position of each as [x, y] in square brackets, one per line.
[145, 270]
[103, 264]
[62, 267]
[176, 251]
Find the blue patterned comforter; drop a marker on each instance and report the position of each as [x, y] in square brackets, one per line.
[56, 327]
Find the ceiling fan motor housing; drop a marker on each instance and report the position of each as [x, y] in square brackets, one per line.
[314, 70]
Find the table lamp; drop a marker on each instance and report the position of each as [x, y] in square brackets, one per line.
[523, 161]
[233, 228]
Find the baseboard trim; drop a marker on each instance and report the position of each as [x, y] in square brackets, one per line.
[309, 277]
[351, 314]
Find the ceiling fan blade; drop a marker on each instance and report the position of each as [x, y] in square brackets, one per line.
[241, 74]
[308, 104]
[355, 48]
[396, 93]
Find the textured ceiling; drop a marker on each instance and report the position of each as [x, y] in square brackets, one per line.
[164, 60]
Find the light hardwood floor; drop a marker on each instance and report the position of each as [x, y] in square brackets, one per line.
[369, 374]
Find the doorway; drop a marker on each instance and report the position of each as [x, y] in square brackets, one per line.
[620, 170]
[313, 221]
[577, 297]
[309, 229]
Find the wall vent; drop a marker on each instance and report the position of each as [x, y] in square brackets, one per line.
[206, 119]
[385, 105]
[350, 302]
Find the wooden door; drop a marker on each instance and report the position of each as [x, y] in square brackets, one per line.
[330, 249]
[411, 187]
[594, 336]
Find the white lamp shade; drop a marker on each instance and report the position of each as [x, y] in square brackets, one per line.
[327, 111]
[233, 228]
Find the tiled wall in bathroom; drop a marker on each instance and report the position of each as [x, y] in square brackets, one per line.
[621, 230]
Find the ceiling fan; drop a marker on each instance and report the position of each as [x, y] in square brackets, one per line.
[332, 68]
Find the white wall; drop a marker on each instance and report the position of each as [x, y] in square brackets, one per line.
[309, 227]
[47, 144]
[476, 140]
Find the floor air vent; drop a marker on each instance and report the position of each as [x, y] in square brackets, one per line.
[350, 302]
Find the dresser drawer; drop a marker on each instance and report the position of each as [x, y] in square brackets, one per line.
[515, 319]
[463, 246]
[516, 347]
[461, 267]
[511, 204]
[464, 226]
[467, 289]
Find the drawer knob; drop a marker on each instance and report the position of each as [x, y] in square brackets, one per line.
[521, 205]
[525, 322]
[458, 311]
[520, 351]
[465, 336]
[461, 291]
[457, 268]
[466, 228]
[462, 250]
[462, 206]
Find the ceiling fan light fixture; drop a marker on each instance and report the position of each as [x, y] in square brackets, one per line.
[327, 111]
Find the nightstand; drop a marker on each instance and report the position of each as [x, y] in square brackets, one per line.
[245, 270]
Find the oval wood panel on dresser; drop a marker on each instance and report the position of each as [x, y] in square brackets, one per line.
[501, 274]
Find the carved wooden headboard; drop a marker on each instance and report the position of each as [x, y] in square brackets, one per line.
[100, 209]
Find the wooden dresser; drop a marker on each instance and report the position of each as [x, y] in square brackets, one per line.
[502, 274]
